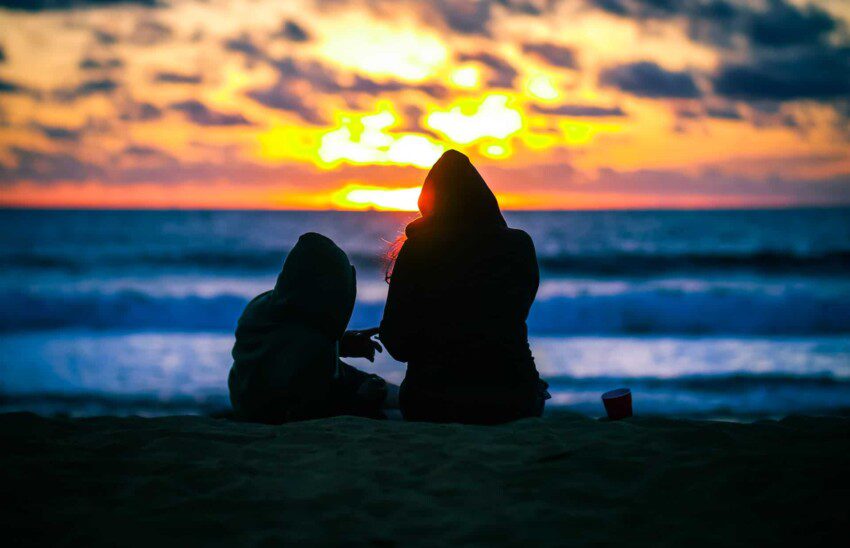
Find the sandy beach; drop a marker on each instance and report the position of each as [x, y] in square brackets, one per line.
[564, 480]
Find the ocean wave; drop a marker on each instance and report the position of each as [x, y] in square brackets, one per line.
[98, 404]
[646, 264]
[610, 264]
[747, 396]
[706, 312]
[726, 384]
[215, 259]
[634, 312]
[708, 396]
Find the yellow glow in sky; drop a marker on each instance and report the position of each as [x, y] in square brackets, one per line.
[363, 197]
[366, 141]
[493, 118]
[380, 49]
[541, 86]
[466, 77]
[496, 151]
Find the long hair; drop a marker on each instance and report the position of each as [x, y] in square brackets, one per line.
[393, 249]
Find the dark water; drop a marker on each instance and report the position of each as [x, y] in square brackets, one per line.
[727, 313]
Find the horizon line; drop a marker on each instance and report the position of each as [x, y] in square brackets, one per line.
[754, 207]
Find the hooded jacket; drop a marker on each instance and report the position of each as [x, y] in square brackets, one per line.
[460, 292]
[286, 349]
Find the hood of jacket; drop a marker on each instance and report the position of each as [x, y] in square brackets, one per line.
[317, 283]
[454, 195]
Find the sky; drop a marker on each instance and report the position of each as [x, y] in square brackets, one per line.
[345, 104]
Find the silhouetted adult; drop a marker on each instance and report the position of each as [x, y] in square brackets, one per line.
[289, 340]
[460, 291]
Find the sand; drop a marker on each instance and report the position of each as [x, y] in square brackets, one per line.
[564, 480]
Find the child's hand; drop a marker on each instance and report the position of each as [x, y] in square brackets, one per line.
[359, 344]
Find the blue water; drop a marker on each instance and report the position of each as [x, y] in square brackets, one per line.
[732, 314]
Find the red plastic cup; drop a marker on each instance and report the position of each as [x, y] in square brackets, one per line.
[618, 403]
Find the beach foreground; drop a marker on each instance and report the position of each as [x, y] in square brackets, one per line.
[560, 480]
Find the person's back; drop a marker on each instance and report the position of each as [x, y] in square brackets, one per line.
[460, 292]
[282, 367]
[286, 357]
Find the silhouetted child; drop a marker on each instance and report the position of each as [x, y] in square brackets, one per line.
[460, 291]
[286, 362]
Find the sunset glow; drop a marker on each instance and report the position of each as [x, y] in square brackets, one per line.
[366, 141]
[285, 104]
[358, 43]
[466, 77]
[492, 118]
[357, 197]
[541, 86]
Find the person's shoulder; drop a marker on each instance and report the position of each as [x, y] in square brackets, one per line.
[520, 236]
[415, 244]
[257, 308]
[260, 300]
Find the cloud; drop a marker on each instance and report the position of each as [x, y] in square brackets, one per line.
[530, 7]
[320, 75]
[140, 157]
[284, 95]
[11, 88]
[502, 73]
[554, 54]
[367, 85]
[245, 45]
[290, 92]
[45, 5]
[149, 32]
[297, 78]
[723, 113]
[647, 79]
[298, 82]
[8, 87]
[166, 77]
[104, 38]
[200, 114]
[90, 63]
[769, 24]
[472, 17]
[715, 182]
[57, 133]
[145, 151]
[774, 50]
[45, 167]
[783, 24]
[293, 32]
[818, 73]
[653, 9]
[665, 186]
[464, 16]
[579, 111]
[145, 164]
[104, 86]
[139, 112]
[719, 112]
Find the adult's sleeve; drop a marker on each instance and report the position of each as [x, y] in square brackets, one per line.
[533, 269]
[399, 326]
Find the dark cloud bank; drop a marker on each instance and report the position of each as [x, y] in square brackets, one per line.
[202, 115]
[647, 79]
[45, 5]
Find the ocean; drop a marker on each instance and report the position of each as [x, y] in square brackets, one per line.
[714, 314]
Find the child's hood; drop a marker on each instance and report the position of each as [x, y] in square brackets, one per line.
[317, 283]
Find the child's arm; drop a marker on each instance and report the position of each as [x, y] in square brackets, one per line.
[359, 344]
